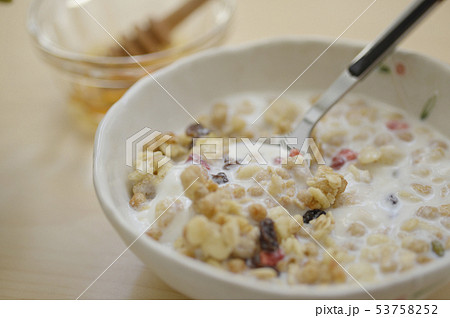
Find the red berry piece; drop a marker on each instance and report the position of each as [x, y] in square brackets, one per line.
[397, 125]
[337, 162]
[195, 158]
[270, 259]
[294, 152]
[348, 154]
[342, 157]
[277, 161]
[400, 68]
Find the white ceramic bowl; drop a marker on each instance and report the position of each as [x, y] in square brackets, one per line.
[269, 66]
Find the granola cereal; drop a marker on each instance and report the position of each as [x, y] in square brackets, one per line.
[378, 207]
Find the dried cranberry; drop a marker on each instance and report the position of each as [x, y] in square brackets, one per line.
[312, 214]
[342, 157]
[277, 161]
[294, 152]
[196, 130]
[195, 158]
[270, 258]
[400, 68]
[219, 178]
[268, 236]
[397, 125]
[348, 154]
[337, 163]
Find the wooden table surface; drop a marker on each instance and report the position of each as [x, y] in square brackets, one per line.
[54, 239]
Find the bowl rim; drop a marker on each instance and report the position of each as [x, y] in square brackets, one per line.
[52, 49]
[117, 218]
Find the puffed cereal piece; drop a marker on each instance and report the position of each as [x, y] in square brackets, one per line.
[415, 245]
[286, 226]
[356, 229]
[247, 244]
[325, 187]
[422, 189]
[322, 226]
[362, 271]
[444, 210]
[146, 186]
[263, 273]
[383, 139]
[219, 201]
[137, 200]
[257, 212]
[248, 171]
[236, 265]
[255, 191]
[292, 246]
[197, 230]
[194, 182]
[369, 154]
[276, 185]
[406, 259]
[390, 154]
[377, 239]
[281, 115]
[360, 175]
[428, 212]
[219, 114]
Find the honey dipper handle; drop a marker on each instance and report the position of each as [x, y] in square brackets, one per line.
[173, 19]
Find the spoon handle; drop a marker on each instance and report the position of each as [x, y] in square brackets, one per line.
[384, 44]
[364, 62]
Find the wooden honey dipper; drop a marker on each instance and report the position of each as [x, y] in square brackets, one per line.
[157, 35]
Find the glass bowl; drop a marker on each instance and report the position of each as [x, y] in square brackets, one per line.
[75, 36]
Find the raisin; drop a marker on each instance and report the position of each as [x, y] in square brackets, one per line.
[392, 199]
[228, 164]
[268, 236]
[196, 130]
[254, 262]
[219, 178]
[312, 214]
[337, 163]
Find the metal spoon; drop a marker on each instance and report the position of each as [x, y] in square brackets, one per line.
[362, 65]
